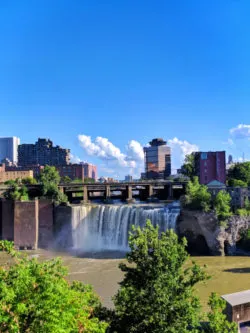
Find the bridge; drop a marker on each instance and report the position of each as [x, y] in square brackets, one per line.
[126, 191]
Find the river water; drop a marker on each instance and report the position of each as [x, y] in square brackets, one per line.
[228, 274]
[104, 230]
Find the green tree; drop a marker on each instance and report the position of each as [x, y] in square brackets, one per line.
[29, 181]
[247, 204]
[197, 196]
[217, 320]
[66, 179]
[157, 293]
[240, 171]
[76, 181]
[50, 180]
[237, 183]
[49, 175]
[35, 297]
[89, 180]
[222, 206]
[188, 168]
[16, 192]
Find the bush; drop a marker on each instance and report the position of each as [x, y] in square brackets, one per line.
[222, 206]
[35, 297]
[197, 196]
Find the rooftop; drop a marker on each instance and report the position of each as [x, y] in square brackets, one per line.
[157, 142]
[239, 298]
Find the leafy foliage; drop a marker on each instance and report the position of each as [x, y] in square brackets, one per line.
[50, 180]
[29, 181]
[157, 293]
[236, 183]
[217, 320]
[240, 171]
[88, 180]
[15, 192]
[188, 168]
[197, 196]
[66, 179]
[222, 206]
[35, 297]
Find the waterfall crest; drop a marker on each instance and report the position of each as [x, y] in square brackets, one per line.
[106, 227]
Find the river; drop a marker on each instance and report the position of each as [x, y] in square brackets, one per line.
[228, 274]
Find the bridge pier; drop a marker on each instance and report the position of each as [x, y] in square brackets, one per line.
[107, 193]
[129, 194]
[85, 194]
[146, 193]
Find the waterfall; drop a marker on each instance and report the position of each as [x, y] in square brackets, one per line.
[106, 227]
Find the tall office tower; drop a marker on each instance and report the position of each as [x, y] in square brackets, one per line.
[210, 166]
[230, 159]
[157, 160]
[42, 153]
[9, 148]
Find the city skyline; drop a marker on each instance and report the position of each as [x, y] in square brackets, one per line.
[114, 76]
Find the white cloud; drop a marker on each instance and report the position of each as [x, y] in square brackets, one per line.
[179, 150]
[106, 150]
[241, 131]
[135, 151]
[229, 142]
[75, 159]
[132, 160]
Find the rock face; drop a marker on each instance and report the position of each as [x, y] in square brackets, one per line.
[205, 236]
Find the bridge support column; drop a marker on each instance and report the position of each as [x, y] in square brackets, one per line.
[85, 194]
[61, 189]
[170, 192]
[107, 193]
[129, 193]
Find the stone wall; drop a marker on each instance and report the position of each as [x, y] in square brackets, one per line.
[45, 238]
[26, 224]
[203, 232]
[7, 219]
[63, 227]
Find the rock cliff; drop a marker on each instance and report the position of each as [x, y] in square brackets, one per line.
[205, 236]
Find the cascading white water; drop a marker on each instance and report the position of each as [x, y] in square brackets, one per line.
[106, 227]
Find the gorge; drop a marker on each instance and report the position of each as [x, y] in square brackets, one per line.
[104, 227]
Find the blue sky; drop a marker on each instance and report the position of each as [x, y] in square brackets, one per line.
[126, 70]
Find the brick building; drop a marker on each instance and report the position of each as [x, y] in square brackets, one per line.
[72, 171]
[35, 168]
[42, 153]
[81, 171]
[90, 170]
[13, 175]
[210, 166]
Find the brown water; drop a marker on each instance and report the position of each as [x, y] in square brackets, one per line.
[229, 274]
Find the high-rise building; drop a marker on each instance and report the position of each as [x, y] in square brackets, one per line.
[9, 148]
[230, 159]
[210, 166]
[128, 178]
[42, 153]
[157, 160]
